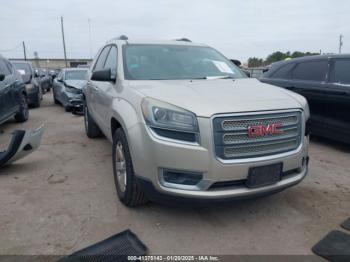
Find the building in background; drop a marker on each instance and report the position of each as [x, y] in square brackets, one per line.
[55, 63]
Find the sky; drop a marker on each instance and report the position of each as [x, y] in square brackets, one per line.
[238, 28]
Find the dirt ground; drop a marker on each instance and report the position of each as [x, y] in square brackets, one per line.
[62, 198]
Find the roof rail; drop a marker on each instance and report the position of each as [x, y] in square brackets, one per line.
[121, 37]
[184, 39]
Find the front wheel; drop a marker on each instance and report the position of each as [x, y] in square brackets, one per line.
[23, 112]
[128, 190]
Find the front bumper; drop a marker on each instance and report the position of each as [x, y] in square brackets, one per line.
[151, 155]
[74, 102]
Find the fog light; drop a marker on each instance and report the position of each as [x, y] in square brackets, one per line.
[182, 177]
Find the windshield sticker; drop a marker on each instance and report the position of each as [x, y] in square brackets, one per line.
[223, 67]
[21, 71]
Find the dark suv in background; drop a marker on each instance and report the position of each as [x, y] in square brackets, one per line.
[34, 92]
[13, 101]
[325, 82]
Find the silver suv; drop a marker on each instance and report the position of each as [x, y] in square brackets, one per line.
[186, 124]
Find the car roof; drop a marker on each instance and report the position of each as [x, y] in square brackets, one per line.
[312, 57]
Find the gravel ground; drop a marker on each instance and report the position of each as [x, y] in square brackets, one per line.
[62, 198]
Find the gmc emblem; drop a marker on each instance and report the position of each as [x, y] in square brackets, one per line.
[261, 130]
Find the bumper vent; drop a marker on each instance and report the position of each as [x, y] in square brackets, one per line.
[233, 140]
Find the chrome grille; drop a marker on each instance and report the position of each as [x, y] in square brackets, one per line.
[233, 142]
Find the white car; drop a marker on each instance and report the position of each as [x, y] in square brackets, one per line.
[187, 124]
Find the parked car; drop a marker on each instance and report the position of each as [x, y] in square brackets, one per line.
[33, 90]
[45, 80]
[13, 97]
[186, 124]
[325, 82]
[67, 89]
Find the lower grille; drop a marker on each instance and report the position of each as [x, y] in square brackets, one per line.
[233, 140]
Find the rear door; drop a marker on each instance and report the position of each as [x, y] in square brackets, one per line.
[339, 94]
[309, 78]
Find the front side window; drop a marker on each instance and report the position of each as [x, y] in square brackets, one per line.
[172, 62]
[76, 75]
[342, 71]
[283, 72]
[102, 58]
[111, 61]
[23, 68]
[311, 71]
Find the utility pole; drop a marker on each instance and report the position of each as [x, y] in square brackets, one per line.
[24, 51]
[89, 21]
[340, 43]
[64, 42]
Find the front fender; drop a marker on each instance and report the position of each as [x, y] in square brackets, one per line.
[128, 117]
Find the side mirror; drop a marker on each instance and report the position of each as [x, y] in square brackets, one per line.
[36, 74]
[2, 77]
[236, 62]
[103, 75]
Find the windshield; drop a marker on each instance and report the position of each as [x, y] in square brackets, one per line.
[23, 68]
[75, 75]
[171, 62]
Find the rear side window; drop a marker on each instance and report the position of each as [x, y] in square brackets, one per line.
[283, 72]
[102, 58]
[311, 71]
[4, 68]
[342, 71]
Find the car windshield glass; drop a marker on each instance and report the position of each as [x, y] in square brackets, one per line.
[171, 62]
[75, 75]
[22, 68]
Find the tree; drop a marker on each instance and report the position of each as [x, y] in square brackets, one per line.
[255, 62]
[275, 57]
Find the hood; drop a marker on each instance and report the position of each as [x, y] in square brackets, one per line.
[208, 97]
[78, 84]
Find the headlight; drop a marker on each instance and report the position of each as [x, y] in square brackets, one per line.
[162, 115]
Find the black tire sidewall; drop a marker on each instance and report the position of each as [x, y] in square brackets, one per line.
[119, 136]
[23, 113]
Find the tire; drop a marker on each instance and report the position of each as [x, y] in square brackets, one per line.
[91, 128]
[37, 103]
[23, 113]
[128, 190]
[54, 98]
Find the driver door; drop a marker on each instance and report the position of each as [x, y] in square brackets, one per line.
[94, 87]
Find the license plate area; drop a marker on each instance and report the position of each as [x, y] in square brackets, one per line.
[264, 175]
